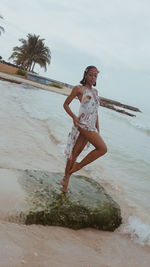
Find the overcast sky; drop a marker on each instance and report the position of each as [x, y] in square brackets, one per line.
[114, 35]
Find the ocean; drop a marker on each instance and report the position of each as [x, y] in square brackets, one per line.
[124, 171]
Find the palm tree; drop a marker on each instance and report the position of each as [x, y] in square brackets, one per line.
[1, 28]
[32, 51]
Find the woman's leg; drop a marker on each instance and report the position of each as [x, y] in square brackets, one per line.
[77, 149]
[100, 149]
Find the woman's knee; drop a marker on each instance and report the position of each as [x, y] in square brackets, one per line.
[102, 149]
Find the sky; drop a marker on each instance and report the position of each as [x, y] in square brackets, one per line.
[110, 34]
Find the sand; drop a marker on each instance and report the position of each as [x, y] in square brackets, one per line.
[65, 91]
[46, 246]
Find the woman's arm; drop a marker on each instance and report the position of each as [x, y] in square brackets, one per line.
[68, 100]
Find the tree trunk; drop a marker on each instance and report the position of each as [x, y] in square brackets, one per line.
[29, 66]
[33, 66]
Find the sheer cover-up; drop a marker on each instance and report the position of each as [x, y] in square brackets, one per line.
[88, 114]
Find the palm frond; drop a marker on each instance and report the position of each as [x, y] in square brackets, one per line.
[32, 51]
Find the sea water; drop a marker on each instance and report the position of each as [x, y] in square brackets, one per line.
[124, 171]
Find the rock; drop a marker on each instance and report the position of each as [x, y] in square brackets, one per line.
[85, 205]
[111, 104]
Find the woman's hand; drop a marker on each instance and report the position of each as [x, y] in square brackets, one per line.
[76, 121]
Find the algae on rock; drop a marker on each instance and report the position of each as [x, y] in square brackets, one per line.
[85, 205]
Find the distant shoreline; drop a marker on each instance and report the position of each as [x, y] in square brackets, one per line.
[17, 79]
[107, 103]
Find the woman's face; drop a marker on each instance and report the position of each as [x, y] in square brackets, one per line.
[91, 77]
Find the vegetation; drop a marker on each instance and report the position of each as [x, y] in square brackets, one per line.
[32, 51]
[21, 72]
[58, 85]
[1, 28]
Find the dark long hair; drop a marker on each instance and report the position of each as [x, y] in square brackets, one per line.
[83, 81]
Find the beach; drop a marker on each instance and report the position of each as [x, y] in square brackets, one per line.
[33, 137]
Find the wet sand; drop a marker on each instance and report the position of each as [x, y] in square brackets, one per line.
[41, 246]
[21, 140]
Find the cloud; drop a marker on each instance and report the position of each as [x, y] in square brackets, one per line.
[111, 34]
[112, 31]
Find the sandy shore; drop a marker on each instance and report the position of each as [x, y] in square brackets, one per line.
[41, 246]
[21, 140]
[64, 90]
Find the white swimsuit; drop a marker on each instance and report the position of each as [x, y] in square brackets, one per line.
[88, 114]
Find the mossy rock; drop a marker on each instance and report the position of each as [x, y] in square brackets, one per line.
[85, 205]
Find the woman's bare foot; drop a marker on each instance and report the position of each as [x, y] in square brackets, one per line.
[64, 189]
[64, 182]
[76, 167]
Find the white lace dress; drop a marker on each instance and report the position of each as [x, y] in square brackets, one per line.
[88, 114]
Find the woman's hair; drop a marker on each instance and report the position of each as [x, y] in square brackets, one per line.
[83, 81]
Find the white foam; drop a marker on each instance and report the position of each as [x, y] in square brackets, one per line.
[139, 231]
[141, 122]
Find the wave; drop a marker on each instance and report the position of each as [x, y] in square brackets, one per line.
[29, 87]
[141, 122]
[32, 103]
[138, 230]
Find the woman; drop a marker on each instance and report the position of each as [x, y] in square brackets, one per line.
[86, 125]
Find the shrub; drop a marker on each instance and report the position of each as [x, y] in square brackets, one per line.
[21, 72]
[58, 85]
